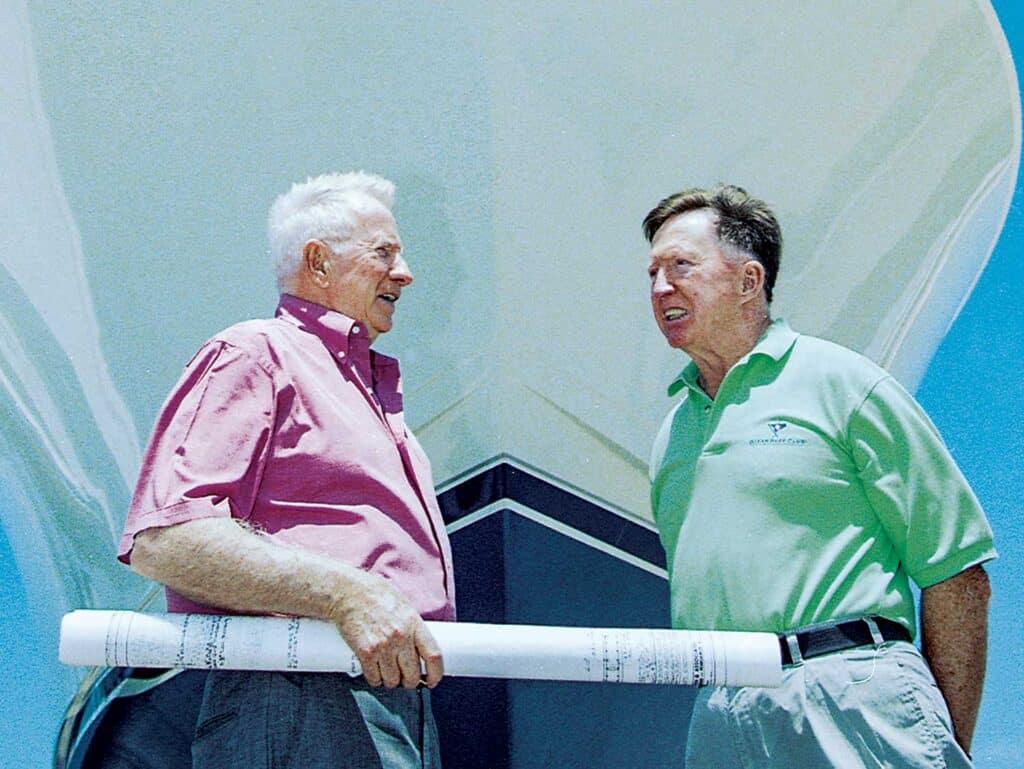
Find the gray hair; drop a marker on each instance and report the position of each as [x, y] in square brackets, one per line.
[321, 207]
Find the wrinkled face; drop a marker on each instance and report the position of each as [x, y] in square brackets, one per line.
[367, 271]
[695, 285]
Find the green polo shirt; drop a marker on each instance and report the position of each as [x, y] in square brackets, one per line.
[813, 487]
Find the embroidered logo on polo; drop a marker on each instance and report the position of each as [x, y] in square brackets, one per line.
[778, 437]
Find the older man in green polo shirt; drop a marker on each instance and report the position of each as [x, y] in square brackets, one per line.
[798, 489]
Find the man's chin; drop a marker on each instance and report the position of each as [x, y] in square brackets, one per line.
[379, 326]
[674, 339]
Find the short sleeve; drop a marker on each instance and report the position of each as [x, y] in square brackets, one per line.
[923, 501]
[208, 449]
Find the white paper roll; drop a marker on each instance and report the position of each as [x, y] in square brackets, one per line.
[611, 655]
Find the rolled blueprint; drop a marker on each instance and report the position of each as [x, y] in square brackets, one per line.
[611, 655]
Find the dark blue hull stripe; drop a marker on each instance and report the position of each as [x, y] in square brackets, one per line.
[505, 481]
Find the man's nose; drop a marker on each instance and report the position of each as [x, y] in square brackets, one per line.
[400, 272]
[660, 285]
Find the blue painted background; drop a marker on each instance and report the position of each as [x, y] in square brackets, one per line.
[973, 393]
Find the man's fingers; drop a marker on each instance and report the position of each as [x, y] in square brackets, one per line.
[371, 670]
[430, 653]
[409, 661]
[391, 675]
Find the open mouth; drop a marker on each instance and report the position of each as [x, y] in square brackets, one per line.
[675, 313]
[388, 297]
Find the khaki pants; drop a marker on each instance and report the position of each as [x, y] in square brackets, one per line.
[864, 707]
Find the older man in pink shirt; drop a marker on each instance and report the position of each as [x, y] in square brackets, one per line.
[281, 479]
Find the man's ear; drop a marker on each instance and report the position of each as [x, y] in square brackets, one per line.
[315, 262]
[753, 279]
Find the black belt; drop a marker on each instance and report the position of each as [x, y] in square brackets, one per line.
[145, 674]
[829, 637]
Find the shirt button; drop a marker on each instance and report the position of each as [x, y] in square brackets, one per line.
[341, 353]
[355, 329]
[707, 408]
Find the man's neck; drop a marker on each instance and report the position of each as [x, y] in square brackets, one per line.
[712, 366]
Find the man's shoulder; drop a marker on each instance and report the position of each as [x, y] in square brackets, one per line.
[821, 371]
[830, 359]
[260, 339]
[255, 331]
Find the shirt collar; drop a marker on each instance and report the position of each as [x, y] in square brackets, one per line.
[339, 332]
[774, 343]
[349, 340]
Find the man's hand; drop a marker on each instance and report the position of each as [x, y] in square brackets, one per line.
[217, 562]
[388, 636]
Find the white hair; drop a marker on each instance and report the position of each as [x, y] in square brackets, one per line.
[321, 207]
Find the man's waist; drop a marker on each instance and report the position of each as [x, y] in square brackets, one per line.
[836, 635]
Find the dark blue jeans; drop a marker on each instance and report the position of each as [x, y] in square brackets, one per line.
[254, 720]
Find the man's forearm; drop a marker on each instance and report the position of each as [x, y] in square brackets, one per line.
[954, 630]
[217, 562]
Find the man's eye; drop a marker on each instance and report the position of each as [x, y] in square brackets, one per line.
[383, 253]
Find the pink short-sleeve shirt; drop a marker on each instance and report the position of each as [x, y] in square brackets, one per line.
[295, 425]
